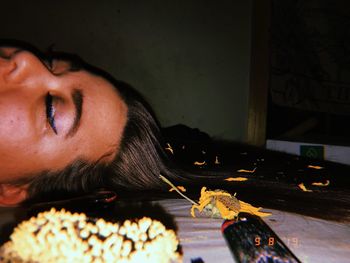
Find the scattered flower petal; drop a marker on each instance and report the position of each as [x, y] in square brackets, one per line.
[321, 184]
[174, 187]
[199, 163]
[246, 171]
[169, 148]
[315, 167]
[302, 187]
[181, 188]
[248, 208]
[237, 179]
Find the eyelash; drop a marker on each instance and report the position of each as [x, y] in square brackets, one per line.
[50, 111]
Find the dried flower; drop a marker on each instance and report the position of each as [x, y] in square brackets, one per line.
[221, 204]
[218, 203]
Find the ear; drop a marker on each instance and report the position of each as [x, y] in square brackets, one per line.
[12, 195]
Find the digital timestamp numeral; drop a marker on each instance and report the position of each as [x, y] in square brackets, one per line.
[271, 241]
[292, 241]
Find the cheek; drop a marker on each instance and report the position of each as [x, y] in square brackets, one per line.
[17, 154]
[18, 145]
[15, 145]
[14, 126]
[16, 139]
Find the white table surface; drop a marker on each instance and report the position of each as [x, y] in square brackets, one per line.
[310, 239]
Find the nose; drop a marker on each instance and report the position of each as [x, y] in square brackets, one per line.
[22, 66]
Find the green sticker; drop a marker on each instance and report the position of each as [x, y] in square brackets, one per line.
[312, 151]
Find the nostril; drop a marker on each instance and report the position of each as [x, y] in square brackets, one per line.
[7, 66]
[20, 65]
[23, 66]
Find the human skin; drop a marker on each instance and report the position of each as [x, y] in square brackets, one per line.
[28, 142]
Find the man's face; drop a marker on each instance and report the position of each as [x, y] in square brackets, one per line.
[51, 116]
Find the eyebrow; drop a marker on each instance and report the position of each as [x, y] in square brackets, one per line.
[78, 100]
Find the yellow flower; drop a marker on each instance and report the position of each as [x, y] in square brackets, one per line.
[222, 204]
[218, 203]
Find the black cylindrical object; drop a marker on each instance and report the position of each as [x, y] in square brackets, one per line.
[250, 239]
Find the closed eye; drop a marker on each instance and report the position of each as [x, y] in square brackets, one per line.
[50, 112]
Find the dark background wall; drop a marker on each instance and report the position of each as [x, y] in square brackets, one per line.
[189, 58]
[310, 71]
